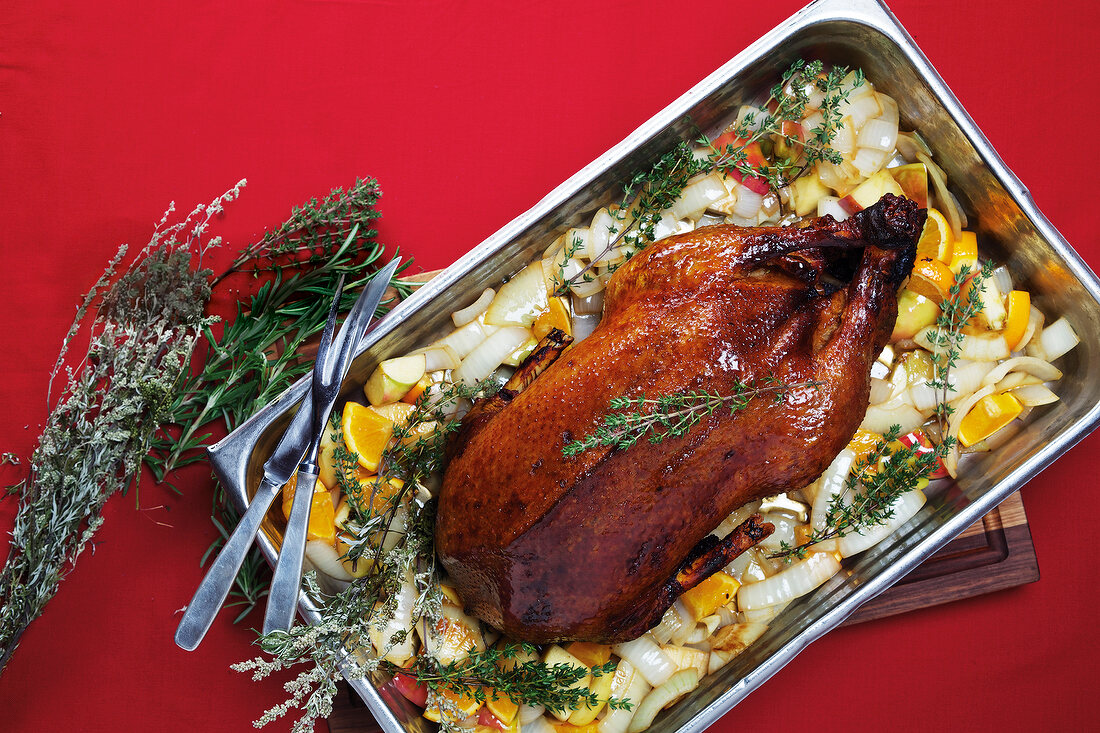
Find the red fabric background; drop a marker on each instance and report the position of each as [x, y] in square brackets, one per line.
[467, 113]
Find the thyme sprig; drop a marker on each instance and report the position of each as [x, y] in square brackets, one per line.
[645, 197]
[142, 319]
[963, 303]
[672, 416]
[494, 673]
[871, 489]
[788, 101]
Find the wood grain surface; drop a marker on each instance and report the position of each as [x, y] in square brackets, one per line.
[994, 553]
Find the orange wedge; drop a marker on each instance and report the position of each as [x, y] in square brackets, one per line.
[1019, 310]
[556, 315]
[862, 443]
[366, 433]
[937, 241]
[965, 252]
[322, 523]
[932, 279]
[991, 414]
[376, 489]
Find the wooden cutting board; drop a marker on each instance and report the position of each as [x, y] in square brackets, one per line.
[995, 553]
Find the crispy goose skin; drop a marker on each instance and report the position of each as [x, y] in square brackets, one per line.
[548, 548]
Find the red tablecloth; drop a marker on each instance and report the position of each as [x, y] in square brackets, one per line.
[467, 113]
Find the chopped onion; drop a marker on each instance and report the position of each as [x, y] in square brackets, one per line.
[1058, 338]
[646, 657]
[1034, 395]
[491, 353]
[860, 109]
[763, 615]
[759, 117]
[903, 507]
[584, 325]
[880, 390]
[830, 206]
[677, 686]
[797, 580]
[869, 161]
[626, 684]
[812, 122]
[528, 713]
[844, 141]
[475, 309]
[600, 235]
[983, 347]
[592, 305]
[537, 725]
[735, 518]
[877, 134]
[440, 356]
[889, 110]
[1003, 279]
[879, 418]
[748, 202]
[519, 300]
[698, 195]
[400, 620]
[465, 339]
[586, 288]
[829, 485]
[947, 201]
[671, 622]
[1029, 364]
[326, 559]
[784, 531]
[745, 568]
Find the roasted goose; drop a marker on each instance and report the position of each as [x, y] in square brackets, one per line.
[596, 546]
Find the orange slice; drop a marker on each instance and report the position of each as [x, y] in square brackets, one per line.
[937, 241]
[322, 522]
[418, 389]
[366, 433]
[862, 443]
[991, 414]
[556, 315]
[932, 279]
[377, 490]
[965, 252]
[1019, 310]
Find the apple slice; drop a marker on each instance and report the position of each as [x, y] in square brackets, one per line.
[393, 379]
[870, 191]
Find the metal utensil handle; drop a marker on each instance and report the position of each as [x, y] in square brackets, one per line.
[282, 602]
[211, 594]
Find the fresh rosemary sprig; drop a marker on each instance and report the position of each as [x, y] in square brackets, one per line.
[961, 305]
[142, 320]
[670, 416]
[496, 672]
[255, 358]
[788, 101]
[870, 490]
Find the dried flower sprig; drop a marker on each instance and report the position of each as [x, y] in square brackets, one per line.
[142, 318]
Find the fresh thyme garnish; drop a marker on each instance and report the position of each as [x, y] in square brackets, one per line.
[670, 416]
[645, 197]
[871, 488]
[495, 673]
[788, 101]
[946, 339]
[649, 194]
[142, 320]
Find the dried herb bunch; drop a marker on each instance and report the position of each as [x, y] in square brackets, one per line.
[142, 319]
